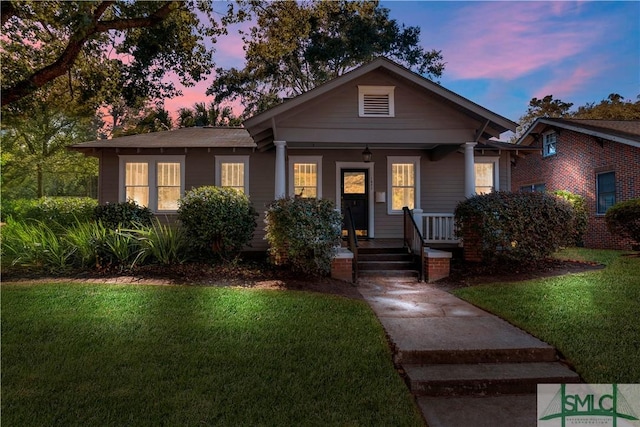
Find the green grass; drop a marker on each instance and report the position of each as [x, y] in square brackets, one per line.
[593, 318]
[106, 355]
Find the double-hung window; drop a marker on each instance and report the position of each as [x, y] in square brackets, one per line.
[403, 182]
[156, 182]
[549, 141]
[606, 188]
[487, 174]
[305, 176]
[233, 172]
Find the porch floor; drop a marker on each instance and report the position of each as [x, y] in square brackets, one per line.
[397, 243]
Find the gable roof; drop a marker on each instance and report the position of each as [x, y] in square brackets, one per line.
[622, 131]
[194, 137]
[258, 124]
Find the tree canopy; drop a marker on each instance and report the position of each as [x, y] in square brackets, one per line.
[295, 46]
[113, 48]
[207, 115]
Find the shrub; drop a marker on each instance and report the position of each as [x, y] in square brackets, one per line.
[518, 227]
[579, 205]
[623, 218]
[123, 215]
[217, 220]
[160, 243]
[62, 211]
[304, 231]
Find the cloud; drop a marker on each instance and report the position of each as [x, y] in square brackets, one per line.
[571, 81]
[508, 40]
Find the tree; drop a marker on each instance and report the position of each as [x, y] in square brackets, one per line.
[113, 47]
[35, 132]
[149, 119]
[211, 115]
[295, 46]
[545, 107]
[615, 107]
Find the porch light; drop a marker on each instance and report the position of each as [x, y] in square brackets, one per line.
[366, 155]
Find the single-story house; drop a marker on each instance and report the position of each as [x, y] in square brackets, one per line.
[376, 139]
[597, 159]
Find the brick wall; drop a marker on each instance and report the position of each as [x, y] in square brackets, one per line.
[574, 167]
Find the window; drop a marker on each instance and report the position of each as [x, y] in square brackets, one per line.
[487, 177]
[549, 144]
[606, 188]
[233, 172]
[376, 101]
[156, 182]
[538, 188]
[403, 174]
[305, 176]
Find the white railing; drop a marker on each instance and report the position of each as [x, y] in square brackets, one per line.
[436, 227]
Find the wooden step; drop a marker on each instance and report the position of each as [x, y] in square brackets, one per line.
[413, 274]
[485, 378]
[386, 265]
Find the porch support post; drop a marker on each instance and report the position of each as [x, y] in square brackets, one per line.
[469, 170]
[280, 187]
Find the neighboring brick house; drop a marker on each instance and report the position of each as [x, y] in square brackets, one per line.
[598, 159]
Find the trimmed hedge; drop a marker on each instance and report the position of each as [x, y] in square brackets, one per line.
[623, 218]
[303, 233]
[123, 215]
[521, 227]
[62, 211]
[579, 205]
[217, 220]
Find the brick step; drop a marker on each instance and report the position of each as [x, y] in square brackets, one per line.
[385, 265]
[485, 378]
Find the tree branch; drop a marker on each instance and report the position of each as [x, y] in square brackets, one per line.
[76, 42]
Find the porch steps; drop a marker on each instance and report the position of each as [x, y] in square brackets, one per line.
[386, 262]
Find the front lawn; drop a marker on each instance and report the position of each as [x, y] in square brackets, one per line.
[593, 318]
[102, 355]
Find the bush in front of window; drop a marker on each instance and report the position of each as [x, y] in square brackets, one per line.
[61, 212]
[520, 227]
[304, 232]
[217, 220]
[623, 219]
[579, 205]
[123, 215]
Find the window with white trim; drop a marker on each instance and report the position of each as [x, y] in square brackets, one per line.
[487, 174]
[533, 188]
[233, 172]
[403, 183]
[305, 176]
[549, 141]
[376, 101]
[156, 182]
[606, 188]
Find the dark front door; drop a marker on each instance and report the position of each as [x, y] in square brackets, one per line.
[355, 195]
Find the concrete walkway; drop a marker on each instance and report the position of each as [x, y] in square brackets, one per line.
[465, 366]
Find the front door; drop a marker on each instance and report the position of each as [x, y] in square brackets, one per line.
[355, 195]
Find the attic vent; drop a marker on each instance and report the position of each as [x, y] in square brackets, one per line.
[376, 101]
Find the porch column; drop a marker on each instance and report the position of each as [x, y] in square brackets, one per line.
[280, 183]
[469, 170]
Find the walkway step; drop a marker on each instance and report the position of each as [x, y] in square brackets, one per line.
[385, 265]
[385, 257]
[492, 411]
[398, 274]
[485, 378]
[463, 339]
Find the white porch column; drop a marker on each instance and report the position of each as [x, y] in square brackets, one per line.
[469, 170]
[280, 182]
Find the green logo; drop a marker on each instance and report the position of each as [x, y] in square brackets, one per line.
[612, 405]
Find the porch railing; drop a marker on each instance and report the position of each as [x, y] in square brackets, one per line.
[413, 239]
[352, 241]
[437, 227]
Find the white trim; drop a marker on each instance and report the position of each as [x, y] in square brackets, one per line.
[376, 90]
[496, 169]
[152, 161]
[232, 159]
[391, 160]
[545, 144]
[357, 165]
[317, 160]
